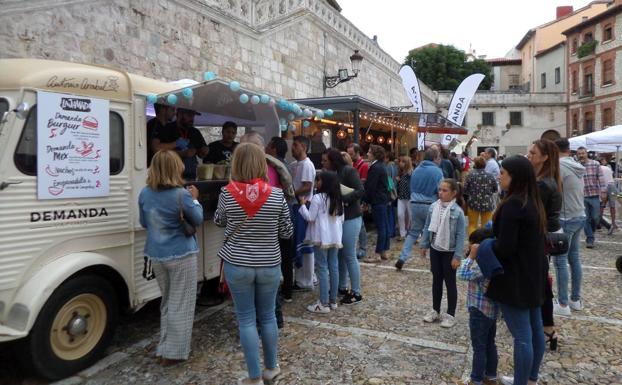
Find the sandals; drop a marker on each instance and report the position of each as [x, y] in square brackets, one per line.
[551, 339]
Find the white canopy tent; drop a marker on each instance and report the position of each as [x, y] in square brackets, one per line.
[582, 141]
[611, 136]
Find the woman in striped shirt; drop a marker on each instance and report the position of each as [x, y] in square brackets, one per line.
[256, 216]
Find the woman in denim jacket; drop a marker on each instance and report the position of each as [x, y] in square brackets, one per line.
[173, 254]
[444, 232]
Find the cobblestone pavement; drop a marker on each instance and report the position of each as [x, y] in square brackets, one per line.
[379, 341]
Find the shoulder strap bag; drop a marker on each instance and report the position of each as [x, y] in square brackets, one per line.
[186, 227]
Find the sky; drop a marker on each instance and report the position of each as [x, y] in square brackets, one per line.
[491, 27]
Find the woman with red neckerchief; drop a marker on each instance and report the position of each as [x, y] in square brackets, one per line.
[255, 216]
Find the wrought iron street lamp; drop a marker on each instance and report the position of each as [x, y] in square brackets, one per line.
[342, 75]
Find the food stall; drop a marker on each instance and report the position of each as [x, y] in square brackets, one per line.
[362, 121]
[217, 102]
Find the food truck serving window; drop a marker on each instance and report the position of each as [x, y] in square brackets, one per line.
[25, 156]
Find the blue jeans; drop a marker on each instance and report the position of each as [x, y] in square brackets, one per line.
[391, 217]
[592, 212]
[572, 227]
[348, 263]
[254, 294]
[327, 271]
[362, 251]
[419, 213]
[485, 358]
[525, 324]
[381, 219]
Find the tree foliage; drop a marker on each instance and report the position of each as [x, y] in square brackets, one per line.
[443, 67]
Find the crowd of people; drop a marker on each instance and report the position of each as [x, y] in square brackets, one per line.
[290, 227]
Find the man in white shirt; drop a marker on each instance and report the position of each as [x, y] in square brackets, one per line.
[492, 167]
[303, 176]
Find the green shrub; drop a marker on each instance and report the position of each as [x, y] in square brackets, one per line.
[586, 48]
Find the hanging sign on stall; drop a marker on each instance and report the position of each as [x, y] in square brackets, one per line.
[421, 141]
[460, 102]
[72, 146]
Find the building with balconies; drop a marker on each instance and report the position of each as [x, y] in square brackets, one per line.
[593, 55]
[548, 35]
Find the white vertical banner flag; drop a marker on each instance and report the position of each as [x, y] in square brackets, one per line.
[411, 86]
[460, 102]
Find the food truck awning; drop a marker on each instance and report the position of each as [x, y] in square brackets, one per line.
[216, 103]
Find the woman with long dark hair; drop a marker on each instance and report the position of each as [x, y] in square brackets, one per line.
[519, 225]
[333, 160]
[544, 156]
[325, 225]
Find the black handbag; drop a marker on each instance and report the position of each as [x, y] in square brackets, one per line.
[186, 227]
[557, 243]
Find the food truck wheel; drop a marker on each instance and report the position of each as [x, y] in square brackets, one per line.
[619, 263]
[73, 328]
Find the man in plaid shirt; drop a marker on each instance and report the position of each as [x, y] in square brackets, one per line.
[591, 192]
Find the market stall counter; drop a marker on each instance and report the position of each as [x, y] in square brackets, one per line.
[218, 103]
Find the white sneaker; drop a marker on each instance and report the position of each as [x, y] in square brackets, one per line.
[333, 306]
[506, 380]
[561, 310]
[575, 305]
[318, 308]
[448, 321]
[270, 374]
[432, 316]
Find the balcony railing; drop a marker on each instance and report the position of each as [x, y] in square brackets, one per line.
[586, 92]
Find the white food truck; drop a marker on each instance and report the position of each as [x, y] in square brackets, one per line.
[73, 159]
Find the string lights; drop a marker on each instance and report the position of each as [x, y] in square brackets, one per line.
[387, 121]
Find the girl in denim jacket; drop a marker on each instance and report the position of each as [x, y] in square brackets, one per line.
[444, 234]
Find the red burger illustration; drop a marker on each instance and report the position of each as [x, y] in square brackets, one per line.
[90, 123]
[86, 148]
[50, 172]
[55, 190]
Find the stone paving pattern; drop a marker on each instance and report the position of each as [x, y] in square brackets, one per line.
[382, 340]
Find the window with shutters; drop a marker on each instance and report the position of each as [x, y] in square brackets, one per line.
[608, 71]
[516, 118]
[488, 118]
[588, 122]
[607, 117]
[607, 32]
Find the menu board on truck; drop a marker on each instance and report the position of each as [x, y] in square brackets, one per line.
[72, 146]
